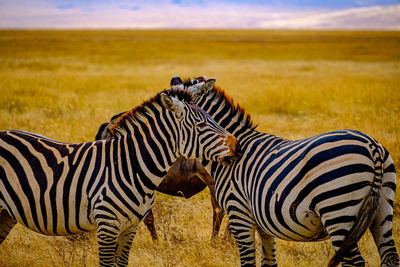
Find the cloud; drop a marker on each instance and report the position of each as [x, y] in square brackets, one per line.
[129, 7]
[192, 14]
[375, 17]
[65, 6]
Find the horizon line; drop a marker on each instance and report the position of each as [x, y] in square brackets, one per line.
[192, 29]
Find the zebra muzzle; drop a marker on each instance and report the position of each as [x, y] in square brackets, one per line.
[234, 153]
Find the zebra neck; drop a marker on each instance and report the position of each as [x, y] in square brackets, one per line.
[231, 117]
[141, 161]
[234, 123]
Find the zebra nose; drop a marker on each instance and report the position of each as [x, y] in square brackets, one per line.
[235, 150]
[232, 144]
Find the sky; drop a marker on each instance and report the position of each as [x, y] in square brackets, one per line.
[200, 14]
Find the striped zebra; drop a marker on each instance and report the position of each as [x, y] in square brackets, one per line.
[185, 178]
[57, 188]
[334, 185]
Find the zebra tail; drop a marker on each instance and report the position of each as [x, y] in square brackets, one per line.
[367, 210]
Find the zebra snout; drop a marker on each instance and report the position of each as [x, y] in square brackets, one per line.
[234, 147]
[234, 151]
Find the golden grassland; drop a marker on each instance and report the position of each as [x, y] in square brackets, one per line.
[63, 84]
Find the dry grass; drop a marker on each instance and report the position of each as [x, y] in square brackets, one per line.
[63, 84]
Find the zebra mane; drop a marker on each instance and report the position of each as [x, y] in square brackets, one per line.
[220, 95]
[240, 112]
[120, 124]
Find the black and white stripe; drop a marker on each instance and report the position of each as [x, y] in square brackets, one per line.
[57, 188]
[336, 185]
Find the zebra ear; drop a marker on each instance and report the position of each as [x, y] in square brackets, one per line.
[172, 104]
[207, 86]
[201, 79]
[176, 83]
[201, 88]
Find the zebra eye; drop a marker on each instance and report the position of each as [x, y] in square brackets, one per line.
[201, 124]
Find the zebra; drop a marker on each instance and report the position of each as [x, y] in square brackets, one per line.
[186, 177]
[57, 188]
[334, 185]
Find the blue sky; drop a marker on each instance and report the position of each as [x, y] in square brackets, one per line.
[272, 14]
[335, 4]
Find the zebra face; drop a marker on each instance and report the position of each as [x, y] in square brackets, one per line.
[197, 86]
[199, 135]
[215, 139]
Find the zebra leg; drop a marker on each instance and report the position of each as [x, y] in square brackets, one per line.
[338, 225]
[353, 258]
[218, 215]
[6, 224]
[267, 249]
[149, 222]
[381, 227]
[339, 228]
[244, 233]
[124, 243]
[107, 236]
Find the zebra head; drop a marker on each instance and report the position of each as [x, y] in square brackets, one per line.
[199, 135]
[193, 84]
[197, 86]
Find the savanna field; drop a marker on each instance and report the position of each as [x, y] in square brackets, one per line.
[295, 84]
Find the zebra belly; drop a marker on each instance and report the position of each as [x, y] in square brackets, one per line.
[46, 215]
[304, 226]
[299, 217]
[61, 230]
[55, 229]
[307, 228]
[323, 183]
